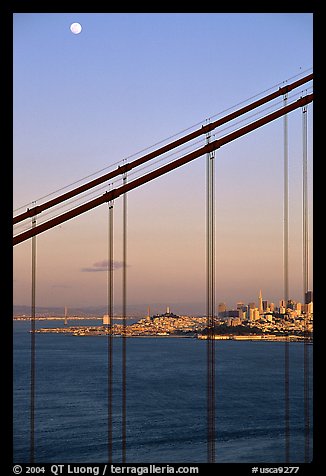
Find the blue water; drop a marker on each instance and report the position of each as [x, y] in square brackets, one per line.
[166, 399]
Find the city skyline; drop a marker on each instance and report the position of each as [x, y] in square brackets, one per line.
[266, 321]
[180, 308]
[82, 102]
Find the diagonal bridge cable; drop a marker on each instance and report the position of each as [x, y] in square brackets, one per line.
[115, 193]
[129, 166]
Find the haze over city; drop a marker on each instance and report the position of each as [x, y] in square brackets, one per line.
[128, 80]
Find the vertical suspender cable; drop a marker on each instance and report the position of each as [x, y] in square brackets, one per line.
[210, 304]
[32, 382]
[212, 313]
[110, 328]
[208, 299]
[286, 287]
[124, 324]
[305, 200]
[212, 157]
[305, 287]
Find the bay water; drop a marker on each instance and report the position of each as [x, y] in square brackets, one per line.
[166, 399]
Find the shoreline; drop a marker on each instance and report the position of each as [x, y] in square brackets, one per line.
[226, 337]
[95, 330]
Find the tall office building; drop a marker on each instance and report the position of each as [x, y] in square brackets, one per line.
[260, 303]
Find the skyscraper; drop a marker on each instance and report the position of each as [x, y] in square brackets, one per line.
[260, 303]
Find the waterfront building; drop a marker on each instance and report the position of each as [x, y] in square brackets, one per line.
[106, 319]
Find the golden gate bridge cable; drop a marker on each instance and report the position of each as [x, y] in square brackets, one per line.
[162, 170]
[212, 159]
[33, 350]
[135, 172]
[124, 324]
[208, 288]
[24, 226]
[305, 241]
[127, 167]
[110, 329]
[286, 287]
[162, 141]
[69, 202]
[210, 265]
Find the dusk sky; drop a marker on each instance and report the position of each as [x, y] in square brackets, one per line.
[83, 102]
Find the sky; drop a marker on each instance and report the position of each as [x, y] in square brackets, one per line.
[84, 102]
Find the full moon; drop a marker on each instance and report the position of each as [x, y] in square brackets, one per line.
[75, 28]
